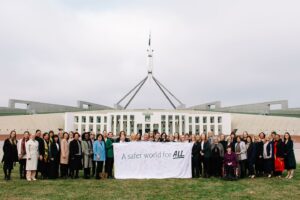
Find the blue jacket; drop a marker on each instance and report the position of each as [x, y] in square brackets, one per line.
[99, 151]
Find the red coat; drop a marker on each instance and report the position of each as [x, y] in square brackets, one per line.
[279, 161]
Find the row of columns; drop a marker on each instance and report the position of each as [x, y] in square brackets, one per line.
[182, 128]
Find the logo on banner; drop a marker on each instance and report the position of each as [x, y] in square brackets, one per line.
[178, 154]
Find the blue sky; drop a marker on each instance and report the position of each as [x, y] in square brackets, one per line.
[238, 52]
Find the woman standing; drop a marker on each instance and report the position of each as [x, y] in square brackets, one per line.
[251, 156]
[289, 156]
[241, 152]
[109, 161]
[196, 157]
[217, 155]
[75, 156]
[259, 160]
[99, 154]
[54, 157]
[64, 155]
[10, 154]
[267, 154]
[32, 152]
[206, 153]
[278, 156]
[22, 154]
[87, 153]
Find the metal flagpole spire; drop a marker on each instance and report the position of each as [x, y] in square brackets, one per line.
[150, 76]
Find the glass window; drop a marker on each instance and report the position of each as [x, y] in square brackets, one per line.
[204, 120]
[83, 119]
[147, 118]
[212, 120]
[219, 119]
[91, 119]
[132, 117]
[98, 119]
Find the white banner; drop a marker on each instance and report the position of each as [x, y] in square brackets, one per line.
[142, 160]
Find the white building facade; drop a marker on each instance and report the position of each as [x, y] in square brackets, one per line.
[142, 121]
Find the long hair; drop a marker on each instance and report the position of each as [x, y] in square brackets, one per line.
[290, 138]
[99, 136]
[13, 140]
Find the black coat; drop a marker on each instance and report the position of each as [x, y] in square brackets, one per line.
[207, 150]
[259, 150]
[10, 154]
[118, 140]
[54, 152]
[224, 144]
[196, 150]
[251, 153]
[279, 149]
[75, 160]
[289, 156]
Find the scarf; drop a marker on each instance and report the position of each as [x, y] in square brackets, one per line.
[46, 156]
[23, 148]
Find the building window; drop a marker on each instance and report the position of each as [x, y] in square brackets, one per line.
[197, 120]
[205, 129]
[83, 119]
[76, 119]
[219, 120]
[170, 118]
[163, 118]
[98, 119]
[197, 130]
[131, 117]
[220, 129]
[105, 119]
[147, 118]
[190, 120]
[204, 120]
[212, 120]
[212, 128]
[91, 119]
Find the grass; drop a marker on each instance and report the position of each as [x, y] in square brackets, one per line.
[213, 188]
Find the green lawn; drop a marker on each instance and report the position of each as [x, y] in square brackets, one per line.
[260, 188]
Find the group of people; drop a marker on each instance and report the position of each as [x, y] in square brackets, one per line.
[58, 155]
[64, 154]
[241, 156]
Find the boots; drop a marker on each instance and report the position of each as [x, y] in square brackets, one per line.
[5, 174]
[76, 173]
[8, 174]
